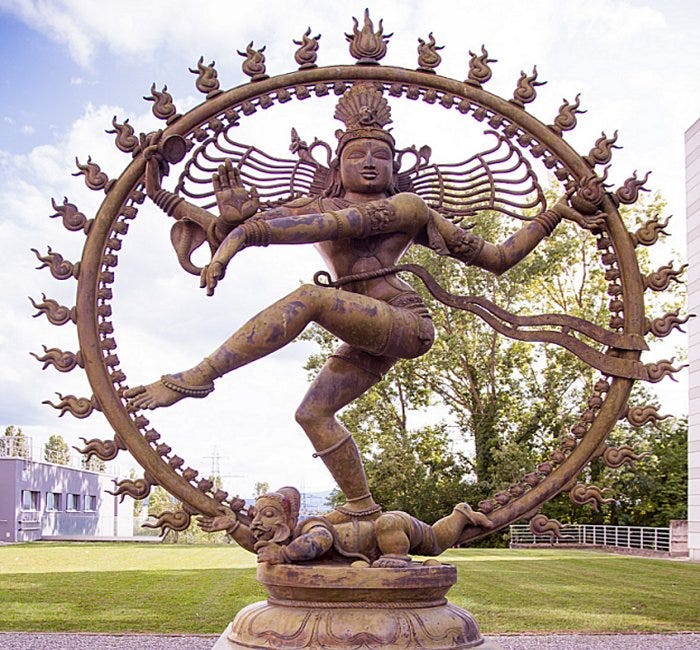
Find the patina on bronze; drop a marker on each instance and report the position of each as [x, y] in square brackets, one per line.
[361, 228]
[347, 579]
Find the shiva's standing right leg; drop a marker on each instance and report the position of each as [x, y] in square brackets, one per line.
[344, 377]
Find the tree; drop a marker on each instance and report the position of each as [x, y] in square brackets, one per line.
[56, 451]
[160, 501]
[651, 492]
[16, 443]
[655, 491]
[512, 401]
[261, 487]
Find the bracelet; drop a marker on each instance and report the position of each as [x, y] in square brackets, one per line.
[359, 513]
[167, 201]
[329, 450]
[257, 232]
[341, 225]
[190, 391]
[548, 220]
[210, 363]
[360, 498]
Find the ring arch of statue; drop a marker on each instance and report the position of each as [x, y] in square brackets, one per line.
[365, 90]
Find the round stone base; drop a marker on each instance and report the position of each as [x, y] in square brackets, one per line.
[341, 607]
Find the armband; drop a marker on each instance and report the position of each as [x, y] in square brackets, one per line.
[465, 246]
[257, 232]
[376, 216]
[548, 220]
[167, 201]
[342, 227]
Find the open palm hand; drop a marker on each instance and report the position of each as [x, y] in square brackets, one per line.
[236, 204]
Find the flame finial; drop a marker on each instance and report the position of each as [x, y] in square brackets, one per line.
[366, 45]
[306, 55]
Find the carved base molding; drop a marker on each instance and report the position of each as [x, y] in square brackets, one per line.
[340, 607]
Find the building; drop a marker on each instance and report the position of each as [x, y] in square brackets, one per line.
[692, 172]
[42, 500]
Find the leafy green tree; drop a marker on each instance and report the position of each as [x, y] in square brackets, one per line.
[655, 491]
[16, 443]
[56, 450]
[261, 487]
[160, 501]
[510, 400]
[650, 492]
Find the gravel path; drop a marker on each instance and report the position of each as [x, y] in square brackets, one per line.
[25, 641]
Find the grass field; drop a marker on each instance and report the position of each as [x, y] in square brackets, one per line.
[198, 589]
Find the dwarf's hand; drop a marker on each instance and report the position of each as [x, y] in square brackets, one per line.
[474, 517]
[213, 524]
[272, 554]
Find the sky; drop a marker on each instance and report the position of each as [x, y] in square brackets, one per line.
[69, 67]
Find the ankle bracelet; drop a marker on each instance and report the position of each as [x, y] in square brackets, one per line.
[190, 391]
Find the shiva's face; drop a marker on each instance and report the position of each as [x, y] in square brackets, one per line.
[366, 166]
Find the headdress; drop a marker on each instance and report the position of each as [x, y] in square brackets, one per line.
[290, 500]
[365, 113]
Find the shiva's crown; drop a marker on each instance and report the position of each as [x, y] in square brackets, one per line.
[364, 112]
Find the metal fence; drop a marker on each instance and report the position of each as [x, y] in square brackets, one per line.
[15, 447]
[633, 537]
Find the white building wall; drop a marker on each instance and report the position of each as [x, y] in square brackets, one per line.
[106, 517]
[692, 166]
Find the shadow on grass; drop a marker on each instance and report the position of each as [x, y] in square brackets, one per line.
[194, 601]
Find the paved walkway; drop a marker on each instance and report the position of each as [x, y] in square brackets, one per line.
[24, 641]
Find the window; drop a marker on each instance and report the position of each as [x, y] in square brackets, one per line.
[90, 503]
[53, 501]
[30, 500]
[73, 502]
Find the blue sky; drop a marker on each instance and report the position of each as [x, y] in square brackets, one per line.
[68, 67]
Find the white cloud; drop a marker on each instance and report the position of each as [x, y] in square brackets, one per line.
[28, 129]
[57, 21]
[136, 28]
[156, 309]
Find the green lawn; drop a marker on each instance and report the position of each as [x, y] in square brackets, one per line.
[198, 589]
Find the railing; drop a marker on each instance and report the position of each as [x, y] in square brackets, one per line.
[29, 520]
[15, 447]
[630, 537]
